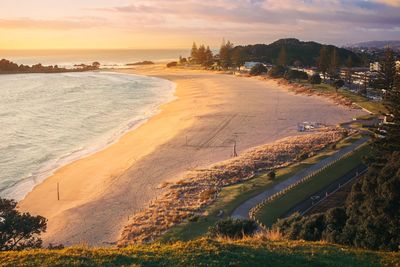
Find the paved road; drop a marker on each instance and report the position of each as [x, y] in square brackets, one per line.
[243, 210]
[320, 196]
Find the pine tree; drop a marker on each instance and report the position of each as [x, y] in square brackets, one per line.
[323, 61]
[209, 57]
[225, 54]
[238, 57]
[335, 63]
[349, 70]
[194, 53]
[387, 72]
[201, 55]
[282, 58]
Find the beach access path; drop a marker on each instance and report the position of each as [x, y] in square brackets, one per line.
[211, 112]
[243, 210]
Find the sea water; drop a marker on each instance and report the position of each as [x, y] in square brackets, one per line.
[48, 120]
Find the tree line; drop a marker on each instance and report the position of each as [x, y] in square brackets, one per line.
[7, 66]
[370, 217]
[228, 56]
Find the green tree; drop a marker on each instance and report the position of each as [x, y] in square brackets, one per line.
[349, 70]
[194, 53]
[238, 57]
[225, 54]
[315, 79]
[338, 84]
[201, 55]
[282, 58]
[323, 61]
[209, 57]
[335, 63]
[19, 230]
[258, 69]
[387, 72]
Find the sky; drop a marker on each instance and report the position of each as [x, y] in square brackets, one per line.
[153, 24]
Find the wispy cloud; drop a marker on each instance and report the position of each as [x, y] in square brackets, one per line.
[50, 24]
[336, 21]
[395, 3]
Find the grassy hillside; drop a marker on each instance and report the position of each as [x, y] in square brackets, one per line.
[206, 252]
[275, 209]
[232, 196]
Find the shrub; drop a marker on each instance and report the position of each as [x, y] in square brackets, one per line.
[277, 71]
[338, 83]
[172, 64]
[315, 79]
[271, 175]
[233, 228]
[296, 75]
[258, 69]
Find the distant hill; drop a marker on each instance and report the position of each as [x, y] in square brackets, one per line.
[395, 44]
[306, 52]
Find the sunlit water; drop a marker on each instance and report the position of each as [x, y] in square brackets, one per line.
[47, 120]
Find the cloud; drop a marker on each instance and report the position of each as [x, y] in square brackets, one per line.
[395, 3]
[337, 21]
[50, 24]
[209, 13]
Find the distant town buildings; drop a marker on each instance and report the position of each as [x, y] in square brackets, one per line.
[375, 66]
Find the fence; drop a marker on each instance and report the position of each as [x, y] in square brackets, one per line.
[253, 211]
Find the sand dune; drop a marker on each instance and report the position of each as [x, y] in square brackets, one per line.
[211, 112]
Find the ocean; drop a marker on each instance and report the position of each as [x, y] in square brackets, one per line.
[114, 58]
[48, 120]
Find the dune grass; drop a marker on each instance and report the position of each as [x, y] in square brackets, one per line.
[270, 212]
[375, 107]
[206, 252]
[232, 196]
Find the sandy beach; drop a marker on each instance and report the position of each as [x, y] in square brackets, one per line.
[212, 111]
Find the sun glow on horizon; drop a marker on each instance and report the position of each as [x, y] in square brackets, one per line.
[154, 24]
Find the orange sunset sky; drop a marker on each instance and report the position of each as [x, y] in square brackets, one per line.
[63, 24]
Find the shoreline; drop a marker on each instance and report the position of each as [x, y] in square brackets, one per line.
[99, 143]
[101, 191]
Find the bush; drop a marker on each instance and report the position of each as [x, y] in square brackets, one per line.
[296, 75]
[258, 69]
[172, 64]
[338, 83]
[277, 71]
[233, 228]
[315, 79]
[271, 175]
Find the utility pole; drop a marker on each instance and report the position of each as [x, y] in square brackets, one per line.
[58, 191]
[234, 149]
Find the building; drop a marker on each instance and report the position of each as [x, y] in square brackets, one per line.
[374, 66]
[248, 65]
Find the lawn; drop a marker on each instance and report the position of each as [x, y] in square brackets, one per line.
[232, 196]
[269, 213]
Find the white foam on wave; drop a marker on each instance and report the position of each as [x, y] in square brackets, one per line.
[24, 185]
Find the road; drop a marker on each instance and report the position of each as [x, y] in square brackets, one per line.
[320, 196]
[243, 210]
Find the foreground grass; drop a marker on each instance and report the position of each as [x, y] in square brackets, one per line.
[206, 252]
[269, 213]
[232, 196]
